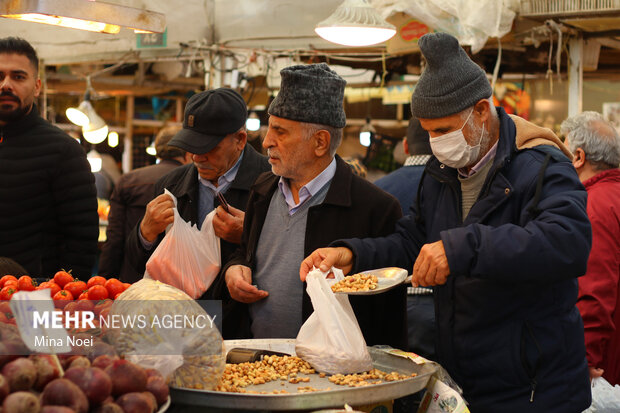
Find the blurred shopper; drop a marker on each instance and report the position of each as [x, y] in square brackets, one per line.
[214, 134]
[403, 184]
[48, 200]
[596, 148]
[501, 232]
[310, 198]
[128, 203]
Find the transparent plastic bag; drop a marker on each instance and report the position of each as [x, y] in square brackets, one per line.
[605, 397]
[331, 339]
[188, 355]
[470, 21]
[187, 258]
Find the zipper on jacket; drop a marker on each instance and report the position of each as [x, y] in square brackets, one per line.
[531, 371]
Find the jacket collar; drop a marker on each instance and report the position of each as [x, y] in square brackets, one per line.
[23, 124]
[339, 192]
[609, 175]
[505, 149]
[189, 183]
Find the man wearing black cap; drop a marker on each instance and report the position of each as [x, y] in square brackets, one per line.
[311, 198]
[214, 133]
[500, 230]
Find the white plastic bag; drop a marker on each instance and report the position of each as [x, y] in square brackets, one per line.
[331, 339]
[187, 258]
[605, 397]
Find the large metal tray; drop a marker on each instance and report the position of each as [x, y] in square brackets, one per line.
[336, 397]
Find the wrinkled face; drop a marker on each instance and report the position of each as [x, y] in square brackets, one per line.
[19, 86]
[290, 152]
[219, 160]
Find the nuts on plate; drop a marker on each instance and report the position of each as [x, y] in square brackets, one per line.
[356, 282]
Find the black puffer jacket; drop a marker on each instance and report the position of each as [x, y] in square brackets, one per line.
[48, 200]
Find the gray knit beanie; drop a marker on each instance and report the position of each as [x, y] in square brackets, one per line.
[311, 94]
[451, 81]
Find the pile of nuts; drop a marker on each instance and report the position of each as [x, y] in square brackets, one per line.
[285, 368]
[356, 282]
[363, 379]
[270, 368]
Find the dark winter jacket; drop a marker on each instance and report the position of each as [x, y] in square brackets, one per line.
[508, 329]
[352, 207]
[127, 206]
[48, 200]
[183, 183]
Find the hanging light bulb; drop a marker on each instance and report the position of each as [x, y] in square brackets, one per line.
[113, 139]
[151, 149]
[253, 122]
[355, 23]
[81, 115]
[95, 160]
[366, 133]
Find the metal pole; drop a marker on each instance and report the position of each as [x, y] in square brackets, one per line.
[127, 159]
[575, 75]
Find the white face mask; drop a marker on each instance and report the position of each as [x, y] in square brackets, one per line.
[452, 148]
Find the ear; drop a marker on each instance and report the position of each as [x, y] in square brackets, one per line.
[37, 88]
[406, 145]
[322, 140]
[579, 158]
[483, 110]
[242, 139]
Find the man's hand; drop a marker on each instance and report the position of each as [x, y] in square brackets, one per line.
[239, 282]
[158, 216]
[229, 225]
[594, 372]
[325, 258]
[431, 266]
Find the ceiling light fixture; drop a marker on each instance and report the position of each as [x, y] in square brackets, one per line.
[113, 139]
[94, 128]
[366, 133]
[253, 122]
[94, 16]
[355, 23]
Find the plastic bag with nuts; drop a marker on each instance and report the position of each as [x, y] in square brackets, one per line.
[331, 339]
[153, 320]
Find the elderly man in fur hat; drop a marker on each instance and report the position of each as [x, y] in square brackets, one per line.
[311, 198]
[500, 230]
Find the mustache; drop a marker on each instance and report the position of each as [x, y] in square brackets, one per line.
[272, 154]
[10, 94]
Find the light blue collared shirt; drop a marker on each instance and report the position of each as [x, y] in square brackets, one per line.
[482, 162]
[207, 191]
[308, 190]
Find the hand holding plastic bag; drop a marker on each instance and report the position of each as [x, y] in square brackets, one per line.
[605, 397]
[331, 339]
[187, 258]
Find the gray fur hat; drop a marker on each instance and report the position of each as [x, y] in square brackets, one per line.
[311, 94]
[451, 81]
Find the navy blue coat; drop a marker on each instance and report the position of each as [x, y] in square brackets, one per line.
[506, 318]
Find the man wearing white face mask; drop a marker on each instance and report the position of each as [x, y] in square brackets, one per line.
[500, 229]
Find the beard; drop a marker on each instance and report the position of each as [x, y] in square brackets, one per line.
[8, 113]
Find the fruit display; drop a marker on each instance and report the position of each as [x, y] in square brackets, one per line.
[35, 384]
[202, 348]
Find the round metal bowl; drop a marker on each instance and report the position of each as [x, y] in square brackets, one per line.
[334, 397]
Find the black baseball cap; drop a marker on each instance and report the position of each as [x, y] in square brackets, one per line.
[209, 117]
